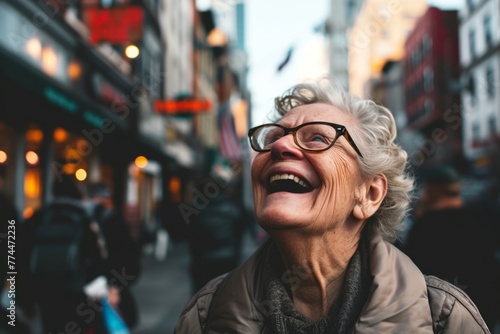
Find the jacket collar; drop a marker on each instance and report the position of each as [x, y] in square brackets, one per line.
[397, 302]
[398, 296]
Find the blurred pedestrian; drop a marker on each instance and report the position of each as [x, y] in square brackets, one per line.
[455, 242]
[216, 233]
[65, 252]
[123, 252]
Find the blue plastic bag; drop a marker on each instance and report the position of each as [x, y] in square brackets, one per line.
[113, 321]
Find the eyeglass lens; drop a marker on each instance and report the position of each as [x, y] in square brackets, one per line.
[310, 136]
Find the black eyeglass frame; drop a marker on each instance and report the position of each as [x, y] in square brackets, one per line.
[340, 129]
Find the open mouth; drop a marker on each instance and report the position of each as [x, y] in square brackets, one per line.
[288, 183]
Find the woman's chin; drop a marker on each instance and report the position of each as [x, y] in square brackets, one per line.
[279, 219]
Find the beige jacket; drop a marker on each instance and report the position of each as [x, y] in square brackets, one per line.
[401, 300]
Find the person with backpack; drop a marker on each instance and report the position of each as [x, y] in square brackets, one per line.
[216, 234]
[124, 252]
[65, 252]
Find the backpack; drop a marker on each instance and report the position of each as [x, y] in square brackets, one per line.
[62, 254]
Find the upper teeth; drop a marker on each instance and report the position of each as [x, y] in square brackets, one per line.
[289, 177]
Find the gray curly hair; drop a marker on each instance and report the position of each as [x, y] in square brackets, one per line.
[375, 139]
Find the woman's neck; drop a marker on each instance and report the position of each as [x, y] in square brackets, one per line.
[315, 268]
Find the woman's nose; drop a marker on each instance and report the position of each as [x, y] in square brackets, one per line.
[285, 147]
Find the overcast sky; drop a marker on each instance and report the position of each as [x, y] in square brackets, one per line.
[275, 26]
[272, 28]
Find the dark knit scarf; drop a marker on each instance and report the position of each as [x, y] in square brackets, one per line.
[282, 317]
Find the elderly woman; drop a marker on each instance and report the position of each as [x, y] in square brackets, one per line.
[331, 189]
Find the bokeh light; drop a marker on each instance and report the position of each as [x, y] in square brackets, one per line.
[141, 161]
[32, 157]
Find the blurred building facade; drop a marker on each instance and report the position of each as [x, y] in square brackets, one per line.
[448, 62]
[231, 162]
[339, 22]
[389, 90]
[480, 98]
[75, 99]
[431, 75]
[70, 104]
[378, 35]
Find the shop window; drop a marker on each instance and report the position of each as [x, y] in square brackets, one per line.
[6, 139]
[32, 190]
[72, 154]
[76, 156]
[174, 186]
[33, 172]
[7, 164]
[44, 52]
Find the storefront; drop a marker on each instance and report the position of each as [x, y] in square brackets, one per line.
[63, 110]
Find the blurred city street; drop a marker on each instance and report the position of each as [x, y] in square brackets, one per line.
[162, 290]
[122, 120]
[165, 287]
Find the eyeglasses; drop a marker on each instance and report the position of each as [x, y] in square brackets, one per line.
[312, 136]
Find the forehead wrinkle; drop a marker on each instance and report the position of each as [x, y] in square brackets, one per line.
[319, 112]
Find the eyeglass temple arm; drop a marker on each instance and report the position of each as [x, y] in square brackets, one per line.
[347, 136]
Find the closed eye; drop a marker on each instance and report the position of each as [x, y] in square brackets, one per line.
[318, 138]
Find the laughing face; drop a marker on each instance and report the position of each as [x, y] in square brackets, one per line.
[313, 191]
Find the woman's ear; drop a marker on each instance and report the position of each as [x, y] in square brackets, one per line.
[370, 196]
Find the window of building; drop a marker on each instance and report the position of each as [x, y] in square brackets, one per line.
[418, 55]
[490, 82]
[476, 133]
[350, 9]
[428, 107]
[151, 72]
[492, 126]
[428, 79]
[472, 90]
[488, 31]
[472, 43]
[470, 4]
[426, 45]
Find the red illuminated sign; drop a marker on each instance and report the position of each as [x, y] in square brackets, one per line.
[185, 106]
[115, 25]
